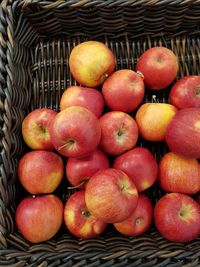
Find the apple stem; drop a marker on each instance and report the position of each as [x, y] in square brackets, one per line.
[140, 74]
[68, 143]
[77, 186]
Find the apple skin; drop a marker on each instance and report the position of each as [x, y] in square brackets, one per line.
[123, 90]
[75, 132]
[185, 93]
[39, 218]
[111, 196]
[152, 120]
[140, 220]
[159, 66]
[119, 132]
[78, 219]
[140, 165]
[35, 129]
[80, 170]
[177, 217]
[84, 97]
[91, 62]
[179, 174]
[183, 133]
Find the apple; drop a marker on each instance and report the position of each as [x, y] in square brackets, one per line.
[152, 120]
[140, 220]
[177, 217]
[111, 196]
[75, 132]
[179, 174]
[183, 133]
[36, 127]
[78, 219]
[119, 132]
[40, 172]
[140, 165]
[84, 97]
[186, 92]
[123, 90]
[91, 62]
[39, 218]
[79, 171]
[158, 66]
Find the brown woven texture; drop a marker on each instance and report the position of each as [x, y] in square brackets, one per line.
[36, 38]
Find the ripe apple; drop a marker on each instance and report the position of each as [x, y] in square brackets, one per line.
[152, 120]
[140, 165]
[111, 196]
[159, 66]
[39, 218]
[84, 97]
[179, 174]
[75, 132]
[183, 133]
[119, 132]
[91, 62]
[140, 220]
[123, 90]
[78, 219]
[79, 171]
[186, 92]
[35, 129]
[177, 217]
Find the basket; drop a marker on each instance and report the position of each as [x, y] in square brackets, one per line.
[36, 38]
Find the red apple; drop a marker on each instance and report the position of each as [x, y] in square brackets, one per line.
[78, 219]
[186, 92]
[84, 97]
[75, 132]
[79, 171]
[139, 221]
[123, 90]
[152, 120]
[179, 174]
[159, 66]
[39, 218]
[140, 165]
[35, 129]
[183, 133]
[91, 62]
[177, 217]
[111, 196]
[119, 132]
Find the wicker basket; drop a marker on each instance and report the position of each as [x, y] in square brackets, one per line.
[36, 38]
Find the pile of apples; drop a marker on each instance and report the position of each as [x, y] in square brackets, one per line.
[97, 133]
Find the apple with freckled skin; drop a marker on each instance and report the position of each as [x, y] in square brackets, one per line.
[35, 129]
[140, 165]
[119, 132]
[78, 219]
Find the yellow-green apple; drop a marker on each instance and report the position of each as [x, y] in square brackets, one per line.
[38, 218]
[78, 220]
[111, 196]
[84, 97]
[91, 62]
[140, 220]
[75, 132]
[183, 133]
[36, 127]
[40, 171]
[119, 132]
[159, 67]
[179, 174]
[140, 165]
[152, 120]
[186, 92]
[123, 90]
[79, 171]
[177, 217]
